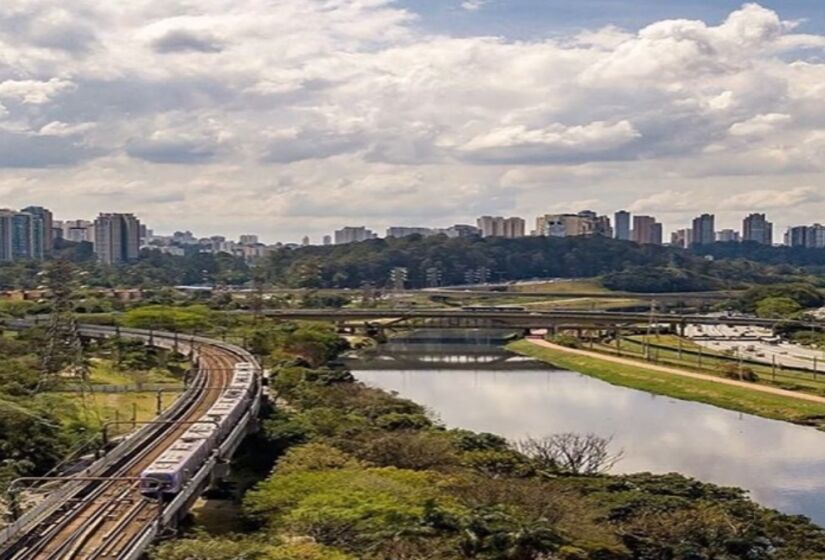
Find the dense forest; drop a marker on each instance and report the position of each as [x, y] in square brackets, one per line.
[811, 258]
[439, 261]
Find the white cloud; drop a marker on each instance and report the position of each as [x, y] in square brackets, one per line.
[759, 125]
[290, 115]
[32, 91]
[773, 198]
[473, 5]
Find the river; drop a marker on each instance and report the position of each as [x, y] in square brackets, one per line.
[483, 388]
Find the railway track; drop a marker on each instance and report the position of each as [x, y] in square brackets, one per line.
[105, 518]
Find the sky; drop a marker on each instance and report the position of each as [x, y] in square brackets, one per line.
[294, 117]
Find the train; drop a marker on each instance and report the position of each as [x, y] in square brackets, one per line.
[170, 472]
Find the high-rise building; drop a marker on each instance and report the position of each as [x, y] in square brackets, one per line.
[42, 234]
[117, 238]
[816, 236]
[622, 225]
[646, 230]
[23, 236]
[728, 236]
[564, 225]
[585, 222]
[797, 236]
[463, 230]
[602, 227]
[248, 239]
[812, 237]
[704, 230]
[351, 234]
[327, 240]
[498, 226]
[758, 229]
[78, 231]
[6, 229]
[682, 238]
[305, 241]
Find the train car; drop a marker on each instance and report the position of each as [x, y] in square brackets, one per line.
[174, 467]
[205, 430]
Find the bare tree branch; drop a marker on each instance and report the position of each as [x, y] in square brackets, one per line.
[572, 453]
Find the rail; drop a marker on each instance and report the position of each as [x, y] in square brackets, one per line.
[141, 437]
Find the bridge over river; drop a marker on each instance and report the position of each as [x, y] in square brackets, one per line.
[518, 319]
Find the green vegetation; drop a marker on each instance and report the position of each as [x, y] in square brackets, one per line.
[432, 260]
[780, 300]
[784, 258]
[625, 266]
[665, 350]
[638, 377]
[153, 270]
[165, 318]
[365, 474]
[44, 417]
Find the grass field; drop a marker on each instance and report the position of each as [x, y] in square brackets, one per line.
[98, 408]
[730, 397]
[103, 372]
[713, 362]
[561, 287]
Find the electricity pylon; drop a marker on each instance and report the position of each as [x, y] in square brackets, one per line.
[63, 348]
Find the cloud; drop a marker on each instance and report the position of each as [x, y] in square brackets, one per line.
[760, 125]
[473, 5]
[57, 128]
[184, 40]
[556, 142]
[172, 150]
[34, 92]
[340, 110]
[773, 199]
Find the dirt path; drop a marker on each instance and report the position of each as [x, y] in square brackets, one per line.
[680, 372]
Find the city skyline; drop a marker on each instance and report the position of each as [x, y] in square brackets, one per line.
[668, 229]
[392, 113]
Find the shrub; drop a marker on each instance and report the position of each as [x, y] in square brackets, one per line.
[733, 371]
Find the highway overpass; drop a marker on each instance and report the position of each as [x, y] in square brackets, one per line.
[516, 319]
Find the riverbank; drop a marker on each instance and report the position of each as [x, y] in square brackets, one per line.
[767, 402]
[363, 473]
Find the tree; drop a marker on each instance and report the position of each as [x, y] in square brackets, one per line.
[571, 453]
[777, 307]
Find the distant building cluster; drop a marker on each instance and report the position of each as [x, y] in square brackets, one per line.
[25, 234]
[32, 233]
[642, 229]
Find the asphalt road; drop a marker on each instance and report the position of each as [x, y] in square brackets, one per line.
[755, 343]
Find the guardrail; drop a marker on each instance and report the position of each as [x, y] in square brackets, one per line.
[140, 437]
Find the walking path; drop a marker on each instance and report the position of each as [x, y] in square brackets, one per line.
[680, 372]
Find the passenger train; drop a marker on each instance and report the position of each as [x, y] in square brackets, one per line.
[184, 458]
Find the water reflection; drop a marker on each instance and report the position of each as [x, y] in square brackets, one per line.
[781, 464]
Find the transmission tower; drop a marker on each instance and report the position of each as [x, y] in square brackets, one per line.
[63, 348]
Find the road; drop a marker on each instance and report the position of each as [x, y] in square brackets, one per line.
[755, 343]
[680, 372]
